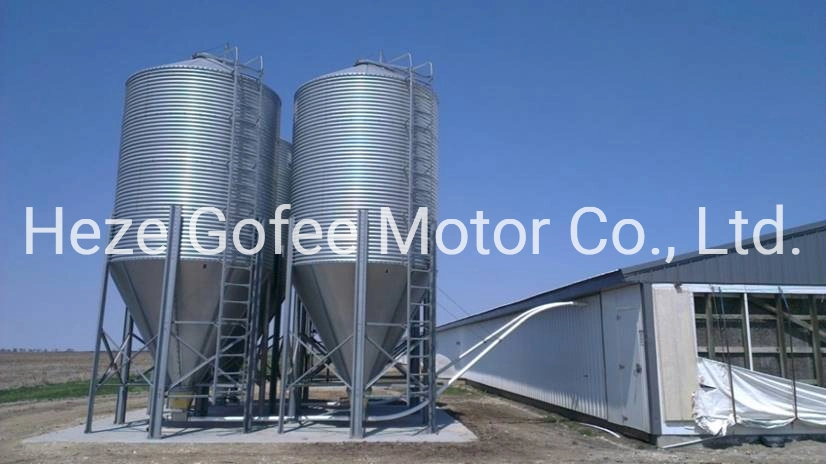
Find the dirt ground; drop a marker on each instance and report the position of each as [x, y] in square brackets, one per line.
[507, 431]
[30, 369]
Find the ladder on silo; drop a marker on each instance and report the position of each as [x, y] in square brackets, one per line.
[237, 316]
[421, 268]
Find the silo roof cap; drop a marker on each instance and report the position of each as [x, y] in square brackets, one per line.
[367, 68]
[200, 62]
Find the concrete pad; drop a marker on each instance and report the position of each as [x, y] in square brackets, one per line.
[135, 431]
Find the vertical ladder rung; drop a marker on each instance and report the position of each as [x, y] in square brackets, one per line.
[242, 203]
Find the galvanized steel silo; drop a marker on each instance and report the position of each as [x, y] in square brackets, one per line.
[352, 148]
[177, 141]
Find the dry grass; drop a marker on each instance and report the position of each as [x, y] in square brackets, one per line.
[19, 370]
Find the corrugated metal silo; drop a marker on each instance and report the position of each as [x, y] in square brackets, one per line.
[178, 139]
[352, 148]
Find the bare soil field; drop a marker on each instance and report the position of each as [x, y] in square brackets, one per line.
[31, 369]
[507, 432]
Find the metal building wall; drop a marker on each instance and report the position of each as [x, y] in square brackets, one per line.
[556, 357]
[808, 267]
[627, 326]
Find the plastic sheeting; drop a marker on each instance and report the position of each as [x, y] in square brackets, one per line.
[760, 400]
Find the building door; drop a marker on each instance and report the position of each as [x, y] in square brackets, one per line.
[627, 390]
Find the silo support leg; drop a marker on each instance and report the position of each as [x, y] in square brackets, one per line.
[253, 346]
[262, 352]
[90, 411]
[286, 328]
[359, 330]
[274, 365]
[173, 247]
[295, 324]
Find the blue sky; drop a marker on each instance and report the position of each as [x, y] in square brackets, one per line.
[647, 110]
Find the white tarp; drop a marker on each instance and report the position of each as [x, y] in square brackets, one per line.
[760, 400]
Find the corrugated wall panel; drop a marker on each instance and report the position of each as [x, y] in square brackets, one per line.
[556, 357]
[806, 268]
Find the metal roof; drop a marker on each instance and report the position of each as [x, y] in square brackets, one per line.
[806, 268]
[362, 68]
[208, 62]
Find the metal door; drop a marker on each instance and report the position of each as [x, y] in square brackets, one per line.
[627, 390]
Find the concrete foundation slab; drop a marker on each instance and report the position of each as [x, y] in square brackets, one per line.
[135, 431]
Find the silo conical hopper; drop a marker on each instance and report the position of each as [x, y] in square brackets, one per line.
[351, 151]
[175, 148]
